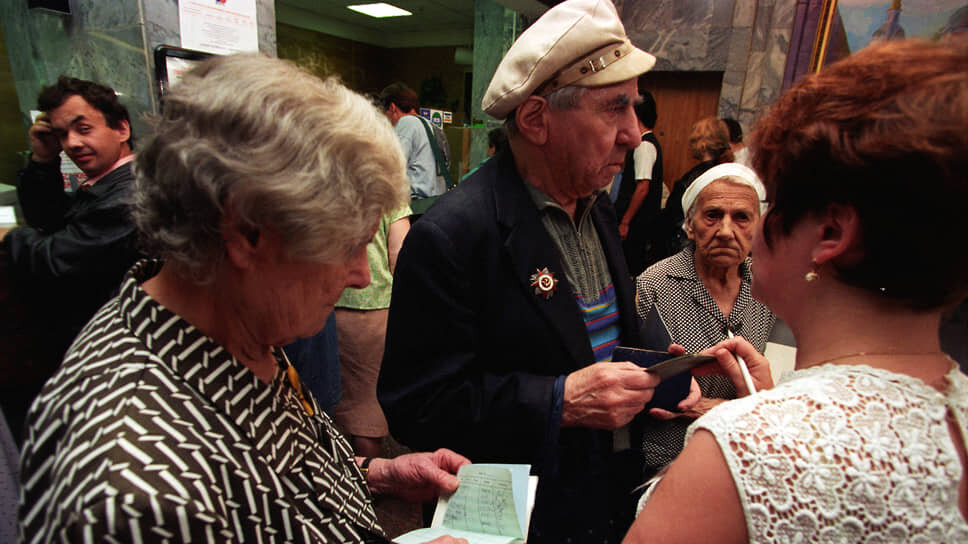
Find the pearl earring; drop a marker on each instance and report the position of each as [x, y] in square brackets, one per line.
[812, 275]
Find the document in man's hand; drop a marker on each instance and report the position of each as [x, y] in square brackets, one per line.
[492, 506]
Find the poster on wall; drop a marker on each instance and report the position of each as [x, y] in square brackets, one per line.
[870, 20]
[438, 117]
[222, 27]
[850, 25]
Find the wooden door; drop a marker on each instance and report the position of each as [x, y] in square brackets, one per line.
[681, 98]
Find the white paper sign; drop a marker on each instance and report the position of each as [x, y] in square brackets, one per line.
[177, 68]
[8, 216]
[222, 27]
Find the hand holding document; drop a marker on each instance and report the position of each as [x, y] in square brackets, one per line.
[492, 506]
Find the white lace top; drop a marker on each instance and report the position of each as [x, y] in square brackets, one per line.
[844, 453]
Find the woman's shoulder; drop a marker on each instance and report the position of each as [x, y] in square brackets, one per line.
[798, 403]
[793, 394]
[804, 446]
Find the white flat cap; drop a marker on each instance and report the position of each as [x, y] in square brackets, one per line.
[577, 42]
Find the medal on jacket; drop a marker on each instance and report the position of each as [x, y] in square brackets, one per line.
[545, 283]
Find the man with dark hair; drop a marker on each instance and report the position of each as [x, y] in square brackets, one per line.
[400, 106]
[497, 141]
[75, 247]
[740, 151]
[640, 194]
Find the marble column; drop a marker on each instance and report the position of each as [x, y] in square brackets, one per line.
[746, 40]
[99, 41]
[495, 29]
[108, 42]
[754, 75]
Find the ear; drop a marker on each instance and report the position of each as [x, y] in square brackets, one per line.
[838, 234]
[690, 232]
[242, 243]
[124, 131]
[532, 119]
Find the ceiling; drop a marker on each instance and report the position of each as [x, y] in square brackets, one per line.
[433, 23]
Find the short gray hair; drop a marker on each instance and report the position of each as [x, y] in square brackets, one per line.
[309, 159]
[565, 98]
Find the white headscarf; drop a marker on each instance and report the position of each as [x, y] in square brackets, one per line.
[737, 172]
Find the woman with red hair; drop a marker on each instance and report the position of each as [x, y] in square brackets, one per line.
[866, 168]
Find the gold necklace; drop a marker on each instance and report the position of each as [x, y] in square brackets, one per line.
[881, 354]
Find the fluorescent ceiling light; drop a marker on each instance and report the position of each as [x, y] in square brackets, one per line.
[381, 9]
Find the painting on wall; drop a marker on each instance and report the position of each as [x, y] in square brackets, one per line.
[847, 26]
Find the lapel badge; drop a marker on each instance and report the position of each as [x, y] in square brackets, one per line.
[545, 283]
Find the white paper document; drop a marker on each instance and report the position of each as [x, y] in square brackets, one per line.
[8, 217]
[492, 506]
[222, 27]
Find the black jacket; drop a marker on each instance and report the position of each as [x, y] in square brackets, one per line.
[76, 246]
[472, 353]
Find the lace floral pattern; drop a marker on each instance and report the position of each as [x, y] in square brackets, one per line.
[845, 453]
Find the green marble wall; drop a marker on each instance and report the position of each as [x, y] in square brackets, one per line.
[108, 41]
[495, 29]
[12, 137]
[100, 41]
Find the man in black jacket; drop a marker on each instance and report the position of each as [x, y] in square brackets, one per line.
[511, 293]
[70, 256]
[640, 195]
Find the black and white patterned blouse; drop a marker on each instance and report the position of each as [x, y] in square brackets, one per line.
[675, 306]
[150, 431]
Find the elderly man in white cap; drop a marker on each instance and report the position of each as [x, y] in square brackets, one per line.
[512, 292]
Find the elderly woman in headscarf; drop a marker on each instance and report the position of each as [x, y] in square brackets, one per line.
[700, 295]
[709, 144]
[175, 414]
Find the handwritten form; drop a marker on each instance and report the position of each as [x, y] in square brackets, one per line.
[487, 508]
[484, 502]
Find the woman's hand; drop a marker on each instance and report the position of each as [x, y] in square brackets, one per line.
[726, 364]
[416, 477]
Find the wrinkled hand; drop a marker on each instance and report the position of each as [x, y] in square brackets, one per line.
[43, 143]
[727, 365]
[416, 477]
[606, 395]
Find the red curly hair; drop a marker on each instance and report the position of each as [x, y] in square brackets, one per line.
[886, 132]
[710, 136]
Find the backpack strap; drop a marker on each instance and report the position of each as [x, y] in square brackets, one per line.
[438, 156]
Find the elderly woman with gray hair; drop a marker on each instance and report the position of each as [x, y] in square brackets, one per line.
[700, 295]
[175, 415]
